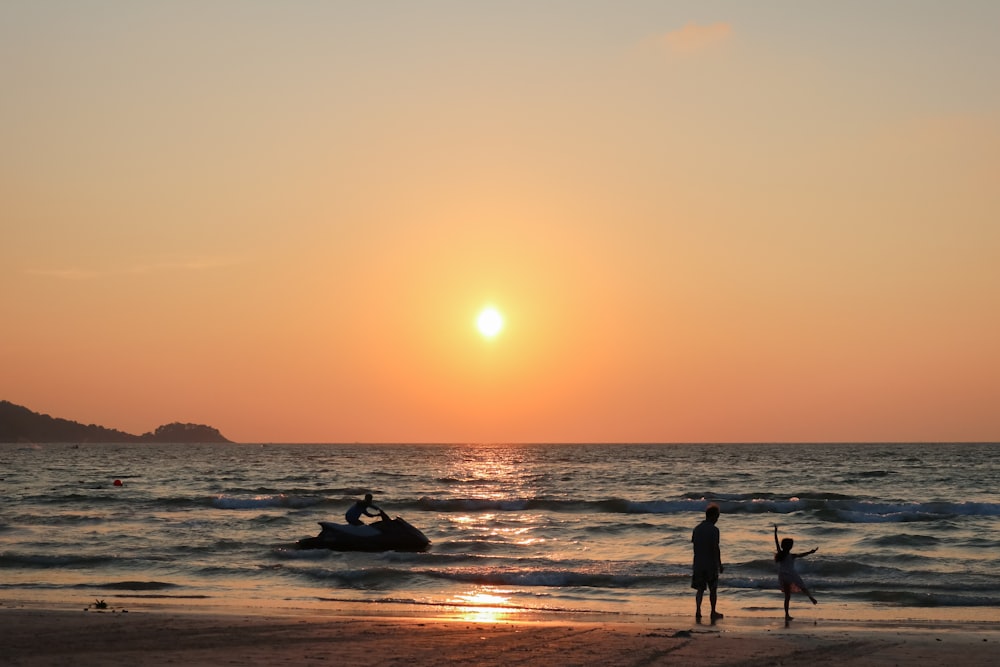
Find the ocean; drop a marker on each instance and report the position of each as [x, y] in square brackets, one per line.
[903, 530]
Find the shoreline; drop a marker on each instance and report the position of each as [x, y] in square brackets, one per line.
[678, 612]
[145, 633]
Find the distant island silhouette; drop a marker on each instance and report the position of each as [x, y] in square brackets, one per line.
[19, 424]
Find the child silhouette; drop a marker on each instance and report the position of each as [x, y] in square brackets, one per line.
[788, 577]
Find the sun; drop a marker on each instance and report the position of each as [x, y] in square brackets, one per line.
[489, 322]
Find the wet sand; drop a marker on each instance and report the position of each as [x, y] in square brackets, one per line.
[34, 636]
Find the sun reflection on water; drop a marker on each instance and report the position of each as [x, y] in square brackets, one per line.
[488, 605]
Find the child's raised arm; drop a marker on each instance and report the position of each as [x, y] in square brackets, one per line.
[777, 545]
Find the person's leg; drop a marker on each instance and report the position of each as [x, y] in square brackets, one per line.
[713, 597]
[809, 595]
[697, 599]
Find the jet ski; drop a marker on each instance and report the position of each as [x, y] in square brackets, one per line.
[383, 535]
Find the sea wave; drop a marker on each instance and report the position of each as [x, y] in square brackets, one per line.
[838, 508]
[897, 598]
[14, 559]
[279, 500]
[131, 585]
[377, 577]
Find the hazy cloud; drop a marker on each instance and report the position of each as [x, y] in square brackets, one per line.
[695, 38]
[192, 264]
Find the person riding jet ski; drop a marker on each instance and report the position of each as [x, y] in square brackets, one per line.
[359, 508]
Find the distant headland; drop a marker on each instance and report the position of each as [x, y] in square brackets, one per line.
[19, 424]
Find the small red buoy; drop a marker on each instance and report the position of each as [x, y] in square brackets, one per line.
[118, 482]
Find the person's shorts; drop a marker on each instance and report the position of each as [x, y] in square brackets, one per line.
[702, 579]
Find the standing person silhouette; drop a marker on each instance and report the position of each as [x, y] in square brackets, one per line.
[353, 515]
[707, 561]
[788, 577]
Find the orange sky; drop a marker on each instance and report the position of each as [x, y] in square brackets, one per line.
[701, 221]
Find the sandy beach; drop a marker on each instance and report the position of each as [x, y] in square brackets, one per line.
[35, 636]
